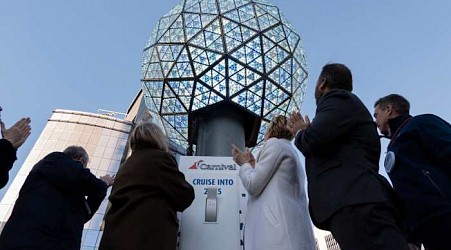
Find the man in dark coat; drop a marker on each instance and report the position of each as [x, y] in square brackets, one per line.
[341, 146]
[12, 139]
[51, 208]
[418, 162]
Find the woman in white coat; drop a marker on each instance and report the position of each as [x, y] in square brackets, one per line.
[277, 212]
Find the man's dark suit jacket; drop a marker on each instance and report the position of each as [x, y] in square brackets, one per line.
[342, 149]
[7, 158]
[51, 208]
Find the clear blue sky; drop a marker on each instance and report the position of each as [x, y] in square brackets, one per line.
[85, 55]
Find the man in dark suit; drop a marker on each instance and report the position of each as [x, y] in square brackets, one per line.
[341, 146]
[59, 195]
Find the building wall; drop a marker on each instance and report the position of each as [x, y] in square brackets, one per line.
[103, 137]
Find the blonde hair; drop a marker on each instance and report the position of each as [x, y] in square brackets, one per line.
[148, 135]
[278, 128]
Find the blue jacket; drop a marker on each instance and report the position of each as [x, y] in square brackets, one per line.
[422, 168]
[51, 208]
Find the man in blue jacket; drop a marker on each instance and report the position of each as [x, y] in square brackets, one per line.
[58, 197]
[418, 162]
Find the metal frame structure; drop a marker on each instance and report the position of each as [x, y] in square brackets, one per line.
[208, 51]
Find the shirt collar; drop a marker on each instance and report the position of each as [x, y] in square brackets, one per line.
[394, 123]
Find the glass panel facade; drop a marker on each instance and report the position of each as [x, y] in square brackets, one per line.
[206, 51]
[103, 137]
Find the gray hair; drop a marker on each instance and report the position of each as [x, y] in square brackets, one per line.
[77, 153]
[148, 135]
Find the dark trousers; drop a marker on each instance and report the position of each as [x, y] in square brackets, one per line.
[367, 227]
[435, 233]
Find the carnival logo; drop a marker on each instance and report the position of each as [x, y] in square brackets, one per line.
[204, 166]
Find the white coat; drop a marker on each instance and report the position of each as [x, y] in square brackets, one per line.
[277, 215]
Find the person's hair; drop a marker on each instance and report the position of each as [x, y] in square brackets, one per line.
[148, 135]
[77, 153]
[278, 128]
[398, 103]
[337, 76]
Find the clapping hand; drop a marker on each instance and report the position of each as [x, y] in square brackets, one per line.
[241, 157]
[18, 133]
[296, 122]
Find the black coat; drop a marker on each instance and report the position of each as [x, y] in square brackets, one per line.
[7, 158]
[342, 149]
[147, 192]
[51, 208]
[422, 170]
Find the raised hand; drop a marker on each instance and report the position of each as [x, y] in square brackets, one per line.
[241, 157]
[18, 133]
[296, 122]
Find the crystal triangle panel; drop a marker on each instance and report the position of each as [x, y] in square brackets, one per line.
[299, 73]
[199, 40]
[154, 90]
[215, 78]
[225, 6]
[274, 93]
[235, 84]
[150, 102]
[165, 23]
[214, 98]
[254, 102]
[239, 3]
[193, 24]
[168, 93]
[183, 90]
[266, 20]
[172, 106]
[192, 6]
[241, 99]
[277, 35]
[174, 33]
[299, 54]
[153, 71]
[213, 38]
[274, 57]
[270, 9]
[247, 33]
[248, 17]
[208, 6]
[249, 52]
[232, 34]
[292, 37]
[171, 132]
[282, 76]
[201, 97]
[233, 15]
